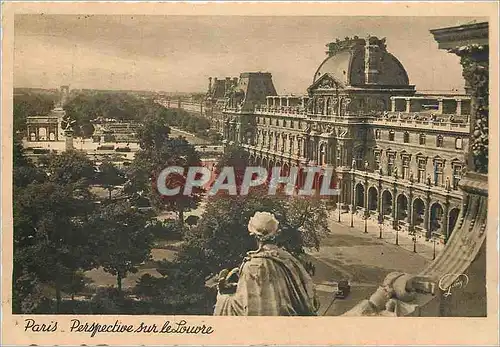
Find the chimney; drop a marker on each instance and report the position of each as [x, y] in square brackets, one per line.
[209, 84]
[227, 84]
[373, 53]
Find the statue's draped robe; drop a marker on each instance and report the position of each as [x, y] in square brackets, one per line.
[271, 283]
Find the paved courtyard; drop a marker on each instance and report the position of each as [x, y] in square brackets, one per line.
[363, 259]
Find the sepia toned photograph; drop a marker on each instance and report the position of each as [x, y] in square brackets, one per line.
[247, 165]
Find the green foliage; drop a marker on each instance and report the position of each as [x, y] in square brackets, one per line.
[124, 240]
[76, 283]
[159, 151]
[110, 176]
[237, 158]
[24, 171]
[165, 230]
[52, 234]
[180, 118]
[85, 108]
[68, 167]
[221, 240]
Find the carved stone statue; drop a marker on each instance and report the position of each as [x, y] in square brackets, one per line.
[326, 83]
[269, 282]
[353, 163]
[395, 297]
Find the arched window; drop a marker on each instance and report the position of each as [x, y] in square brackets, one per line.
[439, 141]
[391, 135]
[377, 134]
[406, 137]
[421, 139]
[459, 143]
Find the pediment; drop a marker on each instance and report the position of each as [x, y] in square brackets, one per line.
[326, 82]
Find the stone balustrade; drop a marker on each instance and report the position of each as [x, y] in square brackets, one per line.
[280, 110]
[424, 120]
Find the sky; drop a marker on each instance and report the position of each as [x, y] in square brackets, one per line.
[179, 53]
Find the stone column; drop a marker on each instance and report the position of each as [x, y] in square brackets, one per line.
[459, 107]
[393, 104]
[427, 222]
[394, 206]
[440, 106]
[408, 105]
[444, 221]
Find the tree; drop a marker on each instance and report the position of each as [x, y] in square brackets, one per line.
[121, 106]
[157, 152]
[24, 171]
[69, 167]
[125, 240]
[52, 234]
[221, 240]
[110, 176]
[236, 157]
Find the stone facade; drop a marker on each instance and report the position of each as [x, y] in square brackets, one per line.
[241, 94]
[462, 263]
[398, 155]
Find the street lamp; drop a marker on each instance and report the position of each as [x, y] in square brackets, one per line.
[434, 236]
[353, 166]
[367, 211]
[339, 208]
[414, 238]
[380, 221]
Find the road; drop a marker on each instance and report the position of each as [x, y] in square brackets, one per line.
[363, 259]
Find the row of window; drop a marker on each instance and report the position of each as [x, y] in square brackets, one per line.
[421, 139]
[422, 176]
[285, 123]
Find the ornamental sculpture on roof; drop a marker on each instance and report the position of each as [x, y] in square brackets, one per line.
[348, 43]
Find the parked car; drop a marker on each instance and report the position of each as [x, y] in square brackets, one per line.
[343, 289]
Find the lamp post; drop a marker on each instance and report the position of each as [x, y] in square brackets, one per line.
[380, 221]
[367, 211]
[339, 199]
[352, 215]
[353, 166]
[434, 246]
[397, 235]
[414, 241]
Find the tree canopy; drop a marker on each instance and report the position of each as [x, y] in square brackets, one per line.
[157, 152]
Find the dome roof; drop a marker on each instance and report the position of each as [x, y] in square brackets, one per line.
[337, 66]
[359, 62]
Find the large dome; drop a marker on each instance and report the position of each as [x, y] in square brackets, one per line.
[360, 62]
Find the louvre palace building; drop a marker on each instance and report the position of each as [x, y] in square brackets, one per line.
[397, 155]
